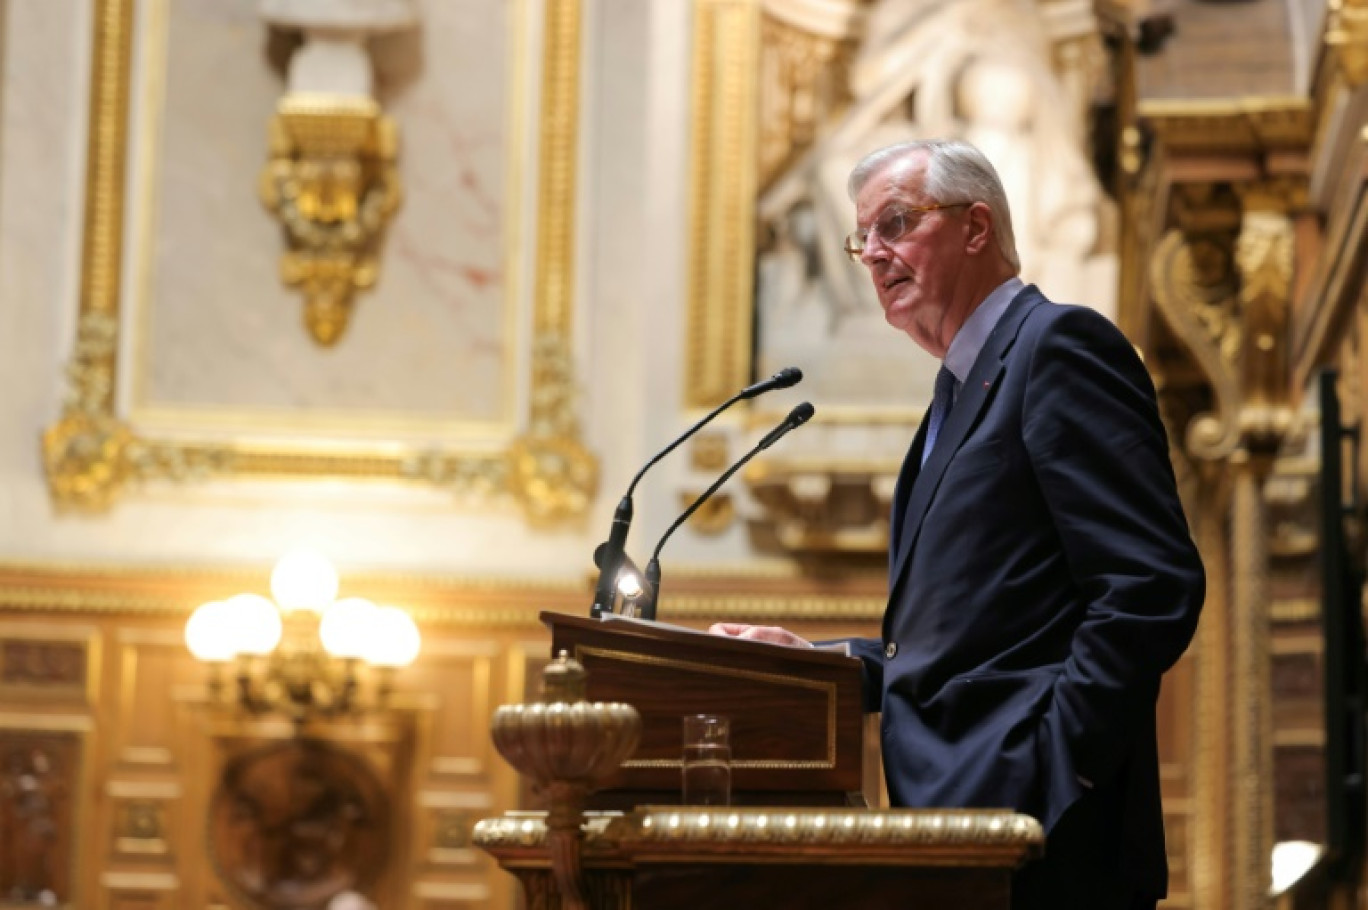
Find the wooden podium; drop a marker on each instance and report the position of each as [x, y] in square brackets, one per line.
[796, 721]
[796, 753]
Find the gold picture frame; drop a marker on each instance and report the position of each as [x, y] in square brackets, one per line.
[93, 456]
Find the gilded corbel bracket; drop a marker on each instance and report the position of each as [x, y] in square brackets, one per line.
[1194, 288]
[1226, 295]
[333, 184]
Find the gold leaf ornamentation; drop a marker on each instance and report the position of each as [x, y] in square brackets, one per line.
[333, 184]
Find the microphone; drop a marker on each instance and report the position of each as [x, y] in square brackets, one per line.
[608, 555]
[796, 418]
[788, 376]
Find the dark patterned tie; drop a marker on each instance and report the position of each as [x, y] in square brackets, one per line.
[941, 401]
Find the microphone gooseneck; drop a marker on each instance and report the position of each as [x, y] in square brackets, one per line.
[796, 418]
[609, 554]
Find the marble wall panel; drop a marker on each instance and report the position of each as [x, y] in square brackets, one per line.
[219, 337]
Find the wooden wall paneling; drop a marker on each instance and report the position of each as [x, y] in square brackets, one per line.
[438, 896]
[460, 671]
[153, 665]
[144, 816]
[55, 664]
[42, 781]
[446, 867]
[140, 891]
[50, 675]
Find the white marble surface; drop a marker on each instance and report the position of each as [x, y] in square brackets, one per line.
[222, 336]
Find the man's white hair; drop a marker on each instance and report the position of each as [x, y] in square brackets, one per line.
[955, 172]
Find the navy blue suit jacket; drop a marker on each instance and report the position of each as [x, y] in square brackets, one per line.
[1042, 578]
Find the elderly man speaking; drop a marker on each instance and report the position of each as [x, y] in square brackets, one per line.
[1041, 573]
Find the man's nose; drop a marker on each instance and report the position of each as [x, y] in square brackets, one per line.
[874, 250]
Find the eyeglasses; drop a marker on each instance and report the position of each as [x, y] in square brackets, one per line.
[890, 226]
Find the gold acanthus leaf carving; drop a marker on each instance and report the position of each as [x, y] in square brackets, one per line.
[333, 184]
[1194, 287]
[549, 470]
[85, 452]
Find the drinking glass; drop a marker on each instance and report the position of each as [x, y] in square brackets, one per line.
[707, 760]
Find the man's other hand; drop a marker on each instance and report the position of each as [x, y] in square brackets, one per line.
[772, 634]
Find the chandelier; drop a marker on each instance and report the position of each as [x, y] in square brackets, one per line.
[303, 652]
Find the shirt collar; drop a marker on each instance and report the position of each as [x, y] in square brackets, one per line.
[969, 340]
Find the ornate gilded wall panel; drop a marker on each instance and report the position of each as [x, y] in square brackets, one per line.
[722, 190]
[126, 422]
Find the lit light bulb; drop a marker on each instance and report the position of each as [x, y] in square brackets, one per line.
[348, 627]
[303, 579]
[208, 633]
[396, 641]
[629, 585]
[256, 623]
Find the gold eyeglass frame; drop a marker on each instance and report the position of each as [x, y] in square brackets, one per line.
[857, 239]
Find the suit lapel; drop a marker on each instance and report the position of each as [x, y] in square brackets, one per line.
[976, 393]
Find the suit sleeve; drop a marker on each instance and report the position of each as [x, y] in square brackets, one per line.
[870, 653]
[1100, 455]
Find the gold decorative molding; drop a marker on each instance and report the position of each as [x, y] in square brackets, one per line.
[92, 456]
[1230, 125]
[551, 472]
[441, 600]
[84, 451]
[804, 81]
[722, 199]
[1346, 37]
[333, 183]
[870, 833]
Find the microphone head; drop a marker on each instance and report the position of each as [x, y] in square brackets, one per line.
[787, 377]
[801, 414]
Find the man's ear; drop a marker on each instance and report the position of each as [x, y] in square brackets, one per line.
[978, 229]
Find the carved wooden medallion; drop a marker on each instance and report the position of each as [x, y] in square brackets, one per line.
[294, 824]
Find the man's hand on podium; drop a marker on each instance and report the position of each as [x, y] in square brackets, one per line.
[772, 634]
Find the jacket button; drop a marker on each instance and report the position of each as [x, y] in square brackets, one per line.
[891, 650]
